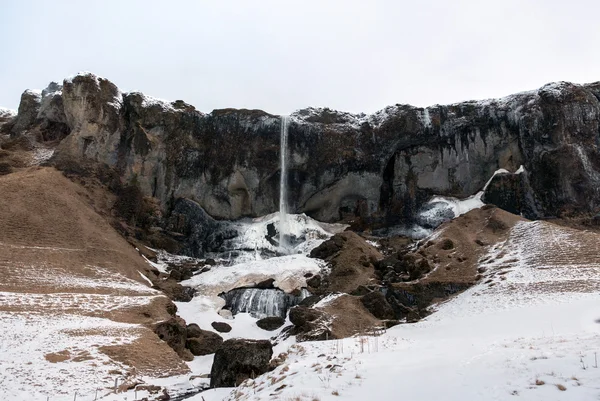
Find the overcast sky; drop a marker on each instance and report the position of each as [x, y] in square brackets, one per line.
[280, 56]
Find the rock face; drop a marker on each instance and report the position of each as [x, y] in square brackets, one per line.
[237, 360]
[379, 168]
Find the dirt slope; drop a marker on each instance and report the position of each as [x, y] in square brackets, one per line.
[71, 286]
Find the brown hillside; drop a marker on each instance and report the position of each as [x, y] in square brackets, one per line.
[61, 263]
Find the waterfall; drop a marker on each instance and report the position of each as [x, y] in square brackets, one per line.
[261, 302]
[284, 228]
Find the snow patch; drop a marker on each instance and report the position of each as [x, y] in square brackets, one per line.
[288, 272]
[7, 113]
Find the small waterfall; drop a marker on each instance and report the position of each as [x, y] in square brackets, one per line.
[284, 228]
[261, 303]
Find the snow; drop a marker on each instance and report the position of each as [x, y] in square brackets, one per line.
[491, 342]
[41, 155]
[116, 102]
[202, 310]
[34, 92]
[328, 300]
[7, 113]
[253, 236]
[288, 272]
[459, 206]
[164, 105]
[34, 336]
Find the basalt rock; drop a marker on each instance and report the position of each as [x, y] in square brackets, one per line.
[237, 360]
[174, 333]
[270, 323]
[203, 342]
[379, 307]
[380, 168]
[221, 327]
[310, 324]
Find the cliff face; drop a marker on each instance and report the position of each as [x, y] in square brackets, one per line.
[381, 167]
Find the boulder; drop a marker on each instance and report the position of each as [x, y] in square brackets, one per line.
[265, 284]
[205, 344]
[193, 330]
[314, 281]
[221, 327]
[174, 333]
[379, 307]
[237, 360]
[270, 323]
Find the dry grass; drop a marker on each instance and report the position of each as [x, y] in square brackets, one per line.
[561, 387]
[539, 382]
[335, 392]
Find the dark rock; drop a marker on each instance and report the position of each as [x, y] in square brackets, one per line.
[205, 343]
[202, 233]
[29, 108]
[210, 262]
[446, 244]
[268, 283]
[376, 303]
[174, 290]
[193, 330]
[175, 275]
[174, 333]
[513, 193]
[383, 168]
[310, 324]
[328, 248]
[221, 327]
[301, 316]
[270, 323]
[314, 282]
[237, 360]
[310, 300]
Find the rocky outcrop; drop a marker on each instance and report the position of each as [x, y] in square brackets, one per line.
[513, 193]
[455, 254]
[310, 324]
[237, 360]
[29, 108]
[378, 168]
[379, 307]
[351, 260]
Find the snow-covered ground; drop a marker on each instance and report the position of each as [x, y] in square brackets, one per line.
[499, 340]
[530, 330]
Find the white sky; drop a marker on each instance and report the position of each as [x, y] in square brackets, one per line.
[280, 56]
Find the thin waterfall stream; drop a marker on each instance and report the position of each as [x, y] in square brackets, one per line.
[284, 226]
